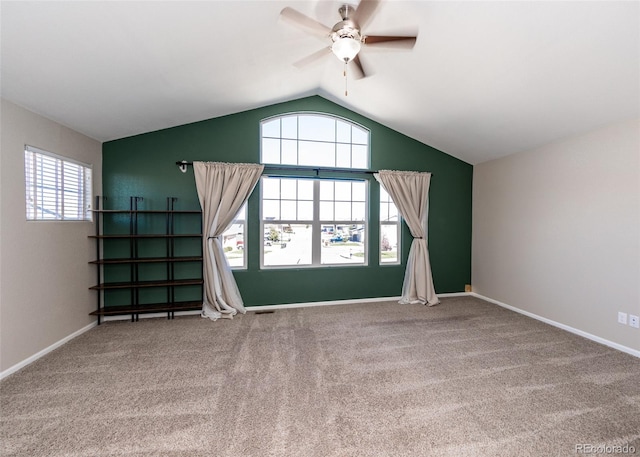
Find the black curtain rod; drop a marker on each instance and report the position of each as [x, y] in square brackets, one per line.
[316, 169]
[183, 166]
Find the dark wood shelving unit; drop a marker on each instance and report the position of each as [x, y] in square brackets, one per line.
[135, 241]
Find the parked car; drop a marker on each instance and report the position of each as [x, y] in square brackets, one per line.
[337, 238]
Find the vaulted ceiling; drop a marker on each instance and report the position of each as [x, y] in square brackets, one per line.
[484, 80]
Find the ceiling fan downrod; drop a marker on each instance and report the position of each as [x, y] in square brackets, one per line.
[345, 10]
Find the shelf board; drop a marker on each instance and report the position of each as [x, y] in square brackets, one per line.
[145, 260]
[141, 284]
[146, 236]
[144, 211]
[148, 308]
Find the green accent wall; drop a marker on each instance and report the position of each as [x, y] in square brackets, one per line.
[144, 165]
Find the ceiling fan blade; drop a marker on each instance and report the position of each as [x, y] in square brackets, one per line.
[357, 68]
[365, 11]
[304, 22]
[312, 58]
[405, 42]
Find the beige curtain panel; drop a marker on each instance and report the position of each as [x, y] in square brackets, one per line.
[409, 190]
[222, 190]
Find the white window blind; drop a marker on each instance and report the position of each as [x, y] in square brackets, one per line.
[57, 188]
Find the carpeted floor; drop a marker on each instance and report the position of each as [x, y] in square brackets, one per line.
[465, 378]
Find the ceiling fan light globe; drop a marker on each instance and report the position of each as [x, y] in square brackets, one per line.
[346, 48]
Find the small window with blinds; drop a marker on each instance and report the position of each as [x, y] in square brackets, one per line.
[57, 188]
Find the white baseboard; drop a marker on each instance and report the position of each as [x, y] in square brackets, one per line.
[45, 351]
[576, 331]
[340, 302]
[321, 303]
[125, 317]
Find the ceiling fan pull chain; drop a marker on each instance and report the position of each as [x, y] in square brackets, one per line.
[346, 93]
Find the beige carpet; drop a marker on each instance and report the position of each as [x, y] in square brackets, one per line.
[465, 378]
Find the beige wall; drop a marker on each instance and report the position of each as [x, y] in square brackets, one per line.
[44, 273]
[556, 231]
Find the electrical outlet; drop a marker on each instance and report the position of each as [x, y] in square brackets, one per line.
[634, 321]
[622, 318]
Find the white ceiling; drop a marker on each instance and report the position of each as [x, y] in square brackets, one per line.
[485, 79]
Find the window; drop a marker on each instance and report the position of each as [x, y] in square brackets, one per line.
[312, 139]
[233, 240]
[57, 188]
[389, 229]
[307, 221]
[343, 209]
[313, 222]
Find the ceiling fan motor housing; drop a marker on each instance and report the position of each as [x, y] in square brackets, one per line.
[347, 28]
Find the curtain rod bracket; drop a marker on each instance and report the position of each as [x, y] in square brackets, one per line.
[183, 166]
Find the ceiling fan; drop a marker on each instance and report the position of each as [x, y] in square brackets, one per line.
[346, 36]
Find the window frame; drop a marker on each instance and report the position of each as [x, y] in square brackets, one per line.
[296, 143]
[316, 225]
[33, 157]
[298, 140]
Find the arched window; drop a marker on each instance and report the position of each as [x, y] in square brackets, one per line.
[314, 139]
